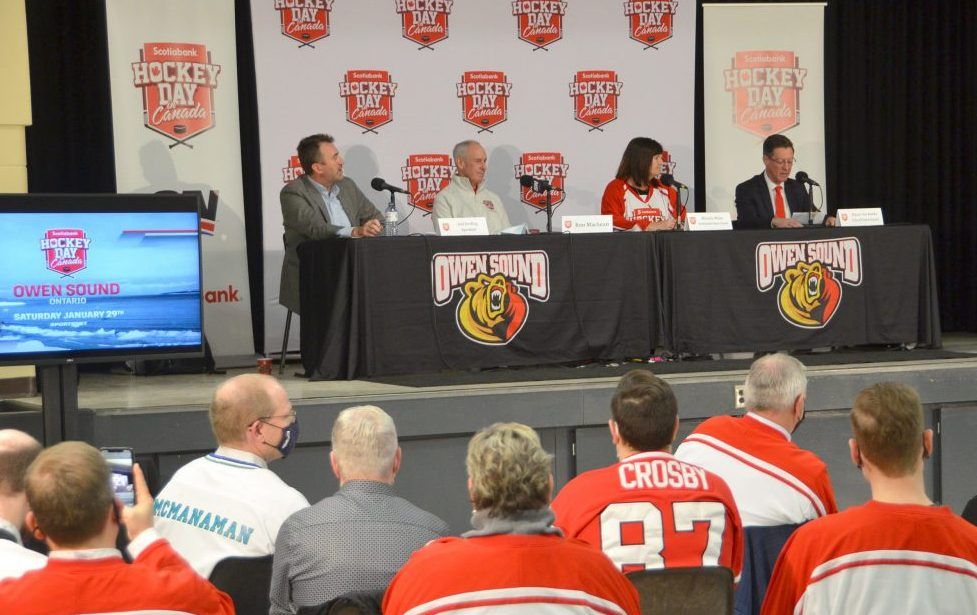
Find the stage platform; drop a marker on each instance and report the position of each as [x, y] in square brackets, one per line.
[164, 418]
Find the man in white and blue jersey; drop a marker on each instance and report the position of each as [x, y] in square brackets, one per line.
[228, 503]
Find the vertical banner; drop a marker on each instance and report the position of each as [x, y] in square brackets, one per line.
[763, 73]
[173, 72]
[552, 88]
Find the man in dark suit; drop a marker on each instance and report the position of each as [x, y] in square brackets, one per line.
[767, 200]
[321, 203]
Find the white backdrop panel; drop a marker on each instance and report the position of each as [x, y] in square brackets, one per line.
[299, 94]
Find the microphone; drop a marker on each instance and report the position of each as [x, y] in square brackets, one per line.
[380, 185]
[668, 180]
[804, 179]
[537, 185]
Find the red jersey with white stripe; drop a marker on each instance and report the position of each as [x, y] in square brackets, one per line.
[652, 511]
[878, 559]
[774, 481]
[509, 574]
[631, 209]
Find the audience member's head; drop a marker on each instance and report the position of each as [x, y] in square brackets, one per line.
[644, 415]
[251, 412]
[508, 470]
[777, 387]
[70, 496]
[889, 433]
[17, 451]
[364, 445]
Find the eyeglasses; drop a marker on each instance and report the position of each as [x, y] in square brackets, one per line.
[782, 162]
[290, 416]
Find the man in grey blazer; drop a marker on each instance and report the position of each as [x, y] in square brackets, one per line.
[321, 203]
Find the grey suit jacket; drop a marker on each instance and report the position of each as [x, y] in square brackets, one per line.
[304, 218]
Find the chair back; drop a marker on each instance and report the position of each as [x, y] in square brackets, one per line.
[970, 510]
[353, 603]
[705, 590]
[761, 548]
[247, 580]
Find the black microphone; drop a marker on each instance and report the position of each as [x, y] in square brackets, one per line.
[804, 179]
[668, 180]
[380, 185]
[537, 185]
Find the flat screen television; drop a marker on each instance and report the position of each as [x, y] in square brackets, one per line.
[87, 278]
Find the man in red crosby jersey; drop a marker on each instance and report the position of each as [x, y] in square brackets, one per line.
[651, 510]
[896, 554]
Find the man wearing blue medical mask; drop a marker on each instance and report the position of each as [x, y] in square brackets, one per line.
[228, 503]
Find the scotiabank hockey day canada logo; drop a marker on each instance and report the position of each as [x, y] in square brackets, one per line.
[426, 175]
[293, 170]
[369, 98]
[543, 165]
[484, 98]
[177, 82]
[540, 22]
[65, 250]
[650, 23]
[595, 94]
[425, 22]
[811, 276]
[492, 289]
[668, 165]
[766, 87]
[304, 21]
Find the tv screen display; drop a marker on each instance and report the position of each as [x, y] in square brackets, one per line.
[99, 278]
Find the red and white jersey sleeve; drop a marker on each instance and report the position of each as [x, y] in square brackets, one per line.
[878, 559]
[654, 511]
[630, 209]
[510, 575]
[774, 481]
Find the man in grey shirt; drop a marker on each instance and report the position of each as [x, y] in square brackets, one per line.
[358, 538]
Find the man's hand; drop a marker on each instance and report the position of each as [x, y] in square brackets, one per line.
[831, 221]
[138, 518]
[785, 223]
[370, 228]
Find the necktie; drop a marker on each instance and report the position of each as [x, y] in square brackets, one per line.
[780, 209]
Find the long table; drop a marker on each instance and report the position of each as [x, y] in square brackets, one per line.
[419, 304]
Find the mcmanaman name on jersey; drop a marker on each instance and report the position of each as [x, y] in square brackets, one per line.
[203, 519]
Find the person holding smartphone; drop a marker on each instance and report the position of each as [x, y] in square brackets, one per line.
[74, 511]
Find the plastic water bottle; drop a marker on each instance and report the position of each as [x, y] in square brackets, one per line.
[390, 220]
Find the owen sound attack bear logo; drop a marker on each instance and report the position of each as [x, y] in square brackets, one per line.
[304, 21]
[766, 88]
[595, 96]
[177, 82]
[492, 290]
[811, 276]
[369, 95]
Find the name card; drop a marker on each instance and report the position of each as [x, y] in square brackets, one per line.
[587, 224]
[462, 226]
[708, 221]
[866, 216]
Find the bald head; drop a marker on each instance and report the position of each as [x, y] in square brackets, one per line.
[17, 451]
[239, 402]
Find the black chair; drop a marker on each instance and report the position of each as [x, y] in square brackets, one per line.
[970, 510]
[288, 325]
[685, 591]
[761, 548]
[247, 580]
[353, 603]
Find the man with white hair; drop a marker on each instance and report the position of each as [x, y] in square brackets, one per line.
[17, 451]
[776, 484]
[466, 196]
[358, 538]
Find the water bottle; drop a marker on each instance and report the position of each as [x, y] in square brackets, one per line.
[390, 219]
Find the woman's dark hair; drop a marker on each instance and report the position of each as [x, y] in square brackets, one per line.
[636, 161]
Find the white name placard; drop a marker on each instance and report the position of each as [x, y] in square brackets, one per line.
[708, 221]
[462, 226]
[587, 224]
[866, 216]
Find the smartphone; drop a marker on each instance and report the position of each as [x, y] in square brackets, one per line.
[120, 463]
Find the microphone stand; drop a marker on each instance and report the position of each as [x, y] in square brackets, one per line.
[549, 211]
[810, 205]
